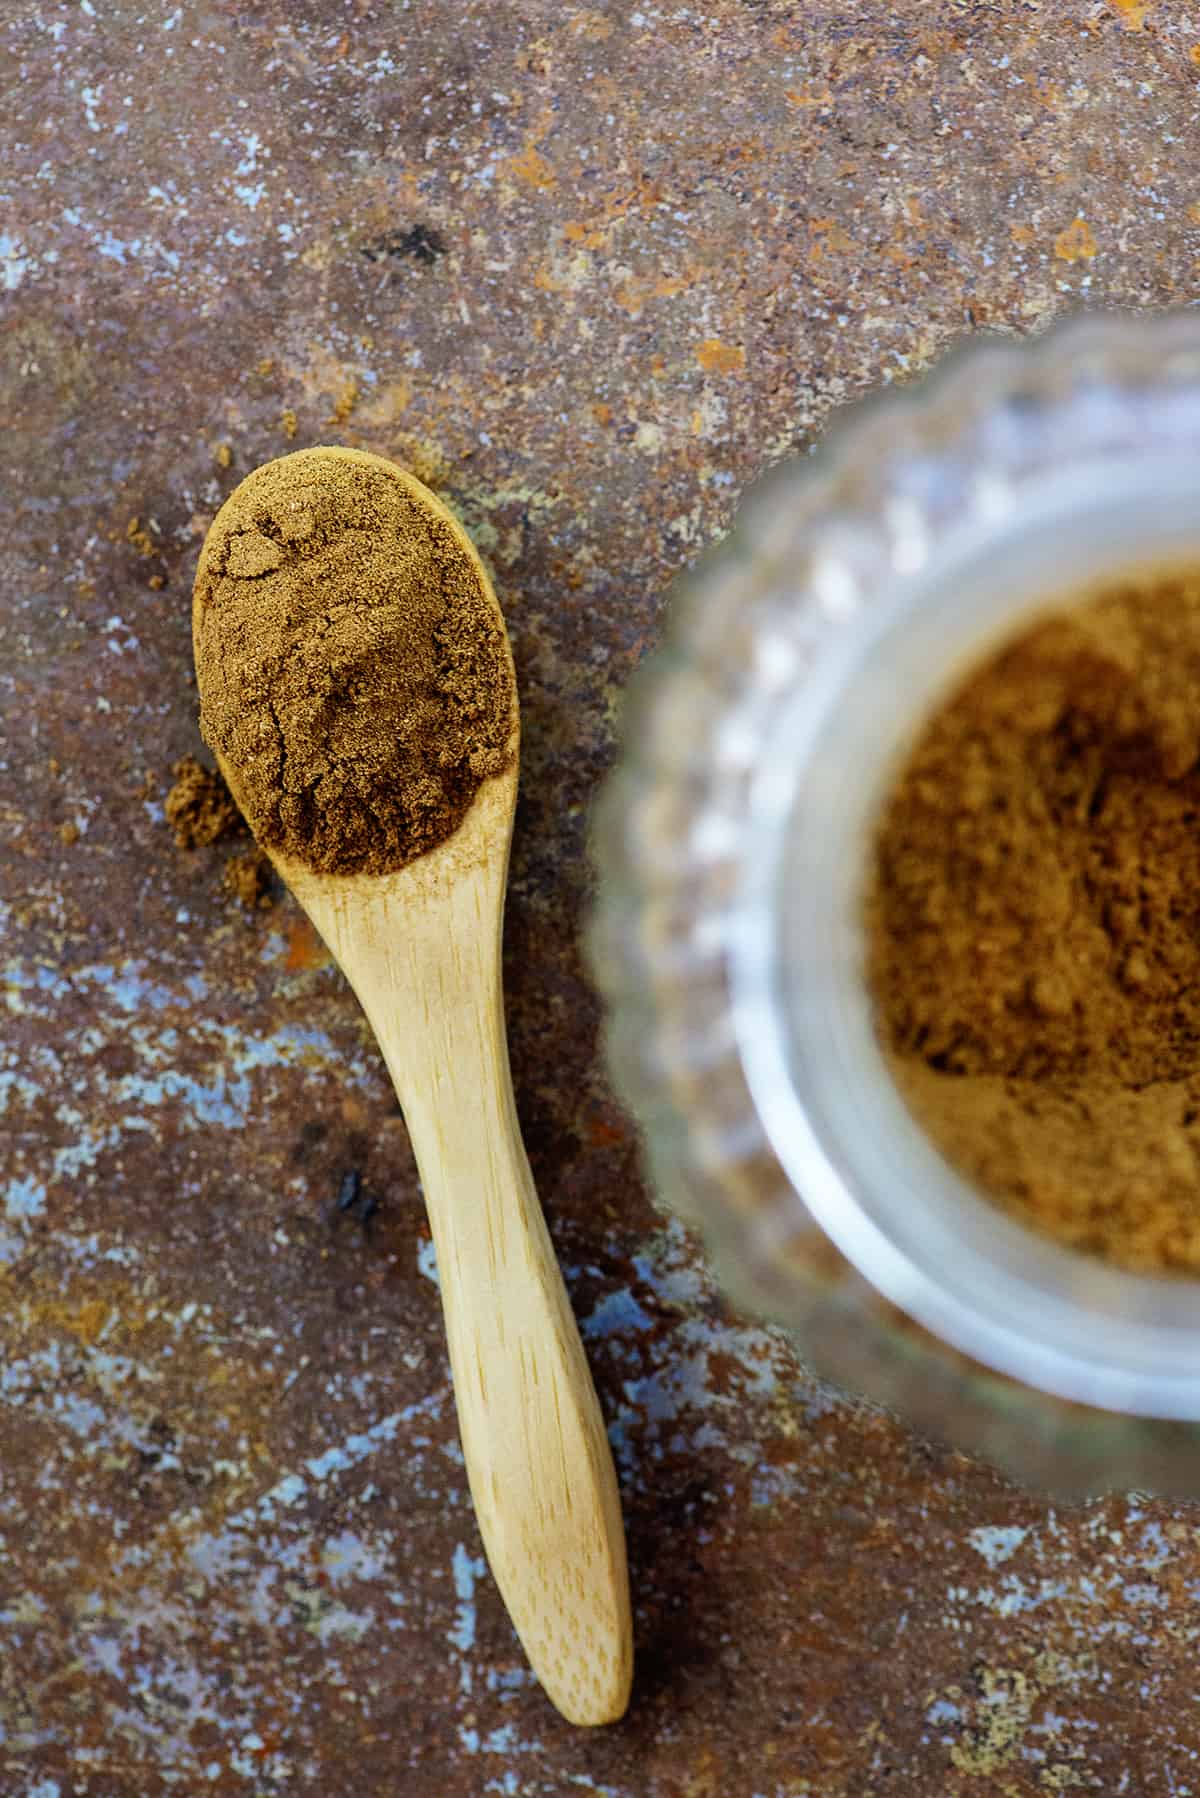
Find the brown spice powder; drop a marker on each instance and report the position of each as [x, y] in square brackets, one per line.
[199, 807]
[1034, 926]
[352, 664]
[247, 878]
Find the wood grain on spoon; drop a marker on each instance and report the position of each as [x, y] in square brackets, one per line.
[422, 949]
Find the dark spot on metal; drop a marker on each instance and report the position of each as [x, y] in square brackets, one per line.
[349, 1191]
[420, 242]
[310, 1135]
[352, 1197]
[161, 1433]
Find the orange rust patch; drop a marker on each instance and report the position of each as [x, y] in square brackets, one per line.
[601, 412]
[531, 168]
[89, 1320]
[717, 358]
[1132, 13]
[593, 26]
[387, 404]
[305, 949]
[1021, 233]
[603, 1135]
[1076, 243]
[546, 282]
[630, 297]
[583, 235]
[39, 1307]
[642, 197]
[828, 235]
[633, 296]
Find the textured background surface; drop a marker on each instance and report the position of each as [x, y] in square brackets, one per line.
[587, 270]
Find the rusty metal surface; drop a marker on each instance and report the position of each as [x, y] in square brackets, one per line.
[587, 270]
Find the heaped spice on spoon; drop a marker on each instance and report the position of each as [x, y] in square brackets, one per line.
[1034, 926]
[350, 666]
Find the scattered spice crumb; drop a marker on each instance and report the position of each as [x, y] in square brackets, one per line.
[157, 581]
[425, 460]
[344, 404]
[54, 765]
[199, 807]
[267, 365]
[69, 833]
[223, 456]
[247, 878]
[289, 424]
[137, 534]
[538, 57]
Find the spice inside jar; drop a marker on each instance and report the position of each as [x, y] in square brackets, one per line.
[1033, 924]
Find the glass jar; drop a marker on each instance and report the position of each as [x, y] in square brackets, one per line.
[801, 658]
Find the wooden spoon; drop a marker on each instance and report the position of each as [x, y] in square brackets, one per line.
[421, 949]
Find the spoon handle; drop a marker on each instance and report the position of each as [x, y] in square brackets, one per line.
[536, 1452]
